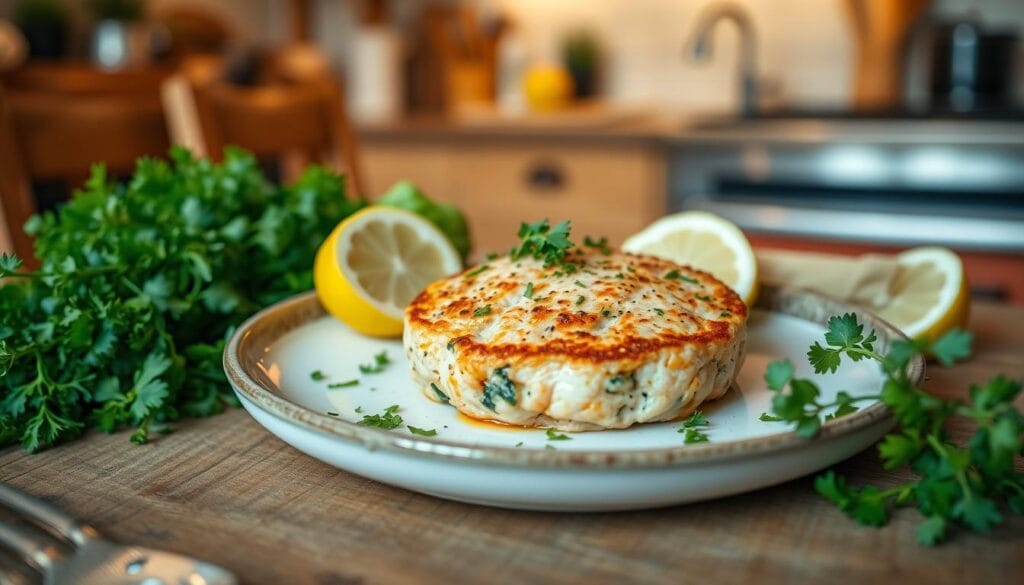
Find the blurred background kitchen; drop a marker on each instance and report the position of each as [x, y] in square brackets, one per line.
[834, 125]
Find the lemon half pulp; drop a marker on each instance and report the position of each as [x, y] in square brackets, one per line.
[929, 293]
[704, 241]
[375, 262]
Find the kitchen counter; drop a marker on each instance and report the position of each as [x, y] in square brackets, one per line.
[225, 490]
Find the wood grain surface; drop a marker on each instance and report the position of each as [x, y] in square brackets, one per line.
[225, 490]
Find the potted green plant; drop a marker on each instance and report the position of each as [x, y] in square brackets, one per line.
[581, 56]
[45, 24]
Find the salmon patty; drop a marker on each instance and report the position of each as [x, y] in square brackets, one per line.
[613, 340]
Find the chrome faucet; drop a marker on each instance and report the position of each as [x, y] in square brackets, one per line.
[699, 48]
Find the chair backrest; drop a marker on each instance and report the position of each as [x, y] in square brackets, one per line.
[47, 135]
[294, 123]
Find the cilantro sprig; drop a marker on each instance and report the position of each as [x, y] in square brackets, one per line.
[693, 428]
[956, 485]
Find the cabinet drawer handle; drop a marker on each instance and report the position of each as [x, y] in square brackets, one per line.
[545, 176]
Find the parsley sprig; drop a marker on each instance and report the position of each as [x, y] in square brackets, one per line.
[388, 420]
[955, 485]
[380, 362]
[541, 241]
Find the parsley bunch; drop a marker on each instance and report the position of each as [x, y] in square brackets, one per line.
[140, 283]
[955, 485]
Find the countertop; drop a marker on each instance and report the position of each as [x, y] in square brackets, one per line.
[225, 490]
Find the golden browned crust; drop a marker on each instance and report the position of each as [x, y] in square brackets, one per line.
[693, 308]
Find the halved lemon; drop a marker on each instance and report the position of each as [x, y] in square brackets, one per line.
[930, 295]
[706, 242]
[375, 262]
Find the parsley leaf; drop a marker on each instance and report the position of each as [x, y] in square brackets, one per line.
[482, 311]
[317, 376]
[694, 436]
[765, 417]
[600, 245]
[697, 419]
[528, 291]
[554, 436]
[422, 432]
[380, 362]
[676, 275]
[476, 271]
[387, 420]
[345, 384]
[543, 242]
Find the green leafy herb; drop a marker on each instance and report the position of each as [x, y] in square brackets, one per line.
[317, 376]
[660, 312]
[552, 435]
[388, 420]
[579, 284]
[765, 417]
[422, 432]
[606, 313]
[359, 410]
[478, 270]
[498, 386]
[492, 256]
[519, 444]
[345, 384]
[694, 436]
[675, 275]
[954, 484]
[725, 314]
[484, 310]
[580, 299]
[697, 419]
[540, 241]
[528, 292]
[620, 275]
[704, 298]
[599, 245]
[329, 413]
[380, 362]
[440, 393]
[125, 321]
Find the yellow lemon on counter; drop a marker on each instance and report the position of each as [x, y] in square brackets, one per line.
[930, 294]
[547, 88]
[375, 262]
[704, 241]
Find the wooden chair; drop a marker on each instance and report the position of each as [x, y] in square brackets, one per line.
[294, 123]
[47, 135]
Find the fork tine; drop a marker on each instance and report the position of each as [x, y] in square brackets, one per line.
[46, 516]
[32, 551]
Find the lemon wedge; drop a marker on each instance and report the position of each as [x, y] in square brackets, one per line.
[929, 292]
[704, 241]
[375, 262]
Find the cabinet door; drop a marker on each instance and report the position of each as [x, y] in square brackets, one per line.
[606, 190]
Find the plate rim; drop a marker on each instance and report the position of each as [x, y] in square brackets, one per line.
[294, 312]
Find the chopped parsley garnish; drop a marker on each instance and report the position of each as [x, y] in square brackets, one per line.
[317, 376]
[600, 245]
[554, 436]
[691, 428]
[492, 256]
[329, 413]
[765, 417]
[543, 242]
[549, 447]
[620, 275]
[704, 298]
[380, 362]
[387, 420]
[519, 444]
[359, 410]
[660, 312]
[674, 274]
[580, 299]
[725, 314]
[693, 436]
[498, 386]
[478, 270]
[629, 268]
[528, 292]
[440, 393]
[579, 284]
[345, 384]
[620, 382]
[484, 310]
[422, 432]
[697, 419]
[606, 313]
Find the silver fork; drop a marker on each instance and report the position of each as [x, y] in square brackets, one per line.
[93, 560]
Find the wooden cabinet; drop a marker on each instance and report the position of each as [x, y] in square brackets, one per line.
[606, 187]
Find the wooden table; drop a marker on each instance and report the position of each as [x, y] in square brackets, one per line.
[226, 490]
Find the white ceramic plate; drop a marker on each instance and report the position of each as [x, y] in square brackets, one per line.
[271, 358]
